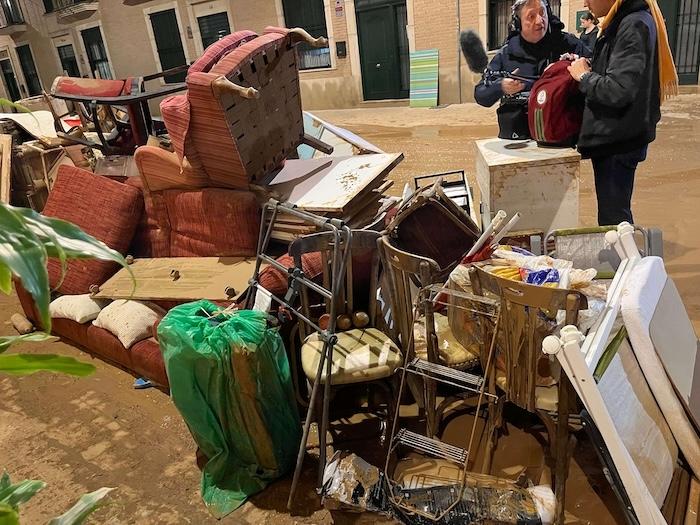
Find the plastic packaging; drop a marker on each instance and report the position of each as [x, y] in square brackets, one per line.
[230, 379]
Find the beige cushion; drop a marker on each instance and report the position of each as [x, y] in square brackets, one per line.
[546, 397]
[79, 308]
[450, 351]
[359, 355]
[129, 321]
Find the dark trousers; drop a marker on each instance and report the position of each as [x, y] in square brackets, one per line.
[614, 182]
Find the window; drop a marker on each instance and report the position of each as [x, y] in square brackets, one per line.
[166, 33]
[213, 27]
[311, 16]
[96, 52]
[69, 64]
[11, 13]
[31, 77]
[500, 15]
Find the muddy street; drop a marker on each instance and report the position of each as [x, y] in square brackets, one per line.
[82, 434]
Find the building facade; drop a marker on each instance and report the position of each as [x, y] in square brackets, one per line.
[367, 58]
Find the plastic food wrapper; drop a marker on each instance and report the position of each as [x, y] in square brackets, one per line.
[530, 262]
[350, 484]
[230, 380]
[540, 277]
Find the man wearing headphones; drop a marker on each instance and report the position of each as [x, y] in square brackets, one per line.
[536, 40]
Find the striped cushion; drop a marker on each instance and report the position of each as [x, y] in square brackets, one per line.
[212, 222]
[105, 209]
[219, 49]
[176, 109]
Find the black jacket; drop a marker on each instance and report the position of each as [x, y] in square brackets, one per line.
[530, 59]
[589, 39]
[622, 94]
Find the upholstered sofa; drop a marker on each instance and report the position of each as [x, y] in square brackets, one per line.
[205, 222]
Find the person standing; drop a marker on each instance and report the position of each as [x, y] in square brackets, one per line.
[536, 40]
[590, 30]
[631, 73]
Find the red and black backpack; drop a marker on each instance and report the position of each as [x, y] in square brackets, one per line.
[555, 108]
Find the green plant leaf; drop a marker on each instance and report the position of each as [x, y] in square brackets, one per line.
[6, 341]
[8, 515]
[82, 509]
[21, 492]
[23, 252]
[5, 279]
[5, 481]
[25, 364]
[65, 240]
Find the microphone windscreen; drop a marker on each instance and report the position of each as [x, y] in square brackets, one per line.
[473, 51]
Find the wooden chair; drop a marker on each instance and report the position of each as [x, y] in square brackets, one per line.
[406, 275]
[360, 355]
[520, 345]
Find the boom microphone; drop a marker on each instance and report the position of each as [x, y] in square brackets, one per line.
[473, 51]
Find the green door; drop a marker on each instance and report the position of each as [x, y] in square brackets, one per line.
[383, 41]
[168, 43]
[682, 23]
[8, 75]
[31, 77]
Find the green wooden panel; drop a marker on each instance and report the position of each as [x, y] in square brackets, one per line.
[424, 78]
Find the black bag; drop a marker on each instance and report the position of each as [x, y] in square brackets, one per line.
[512, 117]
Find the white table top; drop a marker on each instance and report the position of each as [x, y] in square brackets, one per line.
[495, 153]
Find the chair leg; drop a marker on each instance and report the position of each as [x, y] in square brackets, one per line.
[430, 392]
[562, 446]
[494, 425]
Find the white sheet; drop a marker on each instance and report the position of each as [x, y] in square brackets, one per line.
[639, 421]
[640, 298]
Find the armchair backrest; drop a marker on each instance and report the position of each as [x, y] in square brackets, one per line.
[242, 117]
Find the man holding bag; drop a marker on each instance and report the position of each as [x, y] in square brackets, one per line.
[631, 72]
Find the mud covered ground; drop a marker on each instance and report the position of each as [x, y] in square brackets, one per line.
[82, 434]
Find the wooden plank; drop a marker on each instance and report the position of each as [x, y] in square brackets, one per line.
[682, 500]
[5, 167]
[330, 190]
[691, 515]
[196, 278]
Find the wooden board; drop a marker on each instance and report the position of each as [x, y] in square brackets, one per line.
[333, 188]
[691, 515]
[199, 278]
[297, 169]
[424, 79]
[5, 167]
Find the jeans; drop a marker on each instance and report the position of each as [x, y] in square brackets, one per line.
[614, 182]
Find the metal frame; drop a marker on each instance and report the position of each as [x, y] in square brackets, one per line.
[426, 299]
[297, 281]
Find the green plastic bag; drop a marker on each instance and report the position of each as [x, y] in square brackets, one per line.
[229, 378]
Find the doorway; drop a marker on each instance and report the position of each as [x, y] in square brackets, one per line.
[384, 60]
[69, 62]
[8, 75]
[96, 53]
[31, 77]
[166, 33]
[683, 26]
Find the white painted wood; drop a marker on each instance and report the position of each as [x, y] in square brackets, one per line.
[541, 183]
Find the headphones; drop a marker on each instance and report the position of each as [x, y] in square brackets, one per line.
[515, 22]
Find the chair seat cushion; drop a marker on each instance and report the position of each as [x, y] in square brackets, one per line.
[450, 351]
[358, 356]
[546, 397]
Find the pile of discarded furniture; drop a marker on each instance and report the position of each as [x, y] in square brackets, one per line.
[282, 223]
